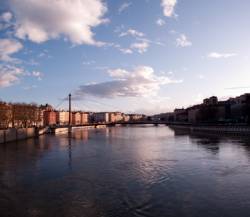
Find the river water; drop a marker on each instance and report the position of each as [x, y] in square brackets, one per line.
[126, 171]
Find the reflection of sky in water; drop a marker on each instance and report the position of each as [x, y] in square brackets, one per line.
[126, 171]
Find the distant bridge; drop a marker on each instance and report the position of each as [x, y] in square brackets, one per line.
[216, 128]
[111, 124]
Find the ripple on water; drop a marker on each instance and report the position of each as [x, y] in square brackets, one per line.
[138, 206]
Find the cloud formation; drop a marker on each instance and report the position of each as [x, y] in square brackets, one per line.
[124, 6]
[132, 32]
[140, 47]
[40, 21]
[7, 48]
[220, 55]
[37, 74]
[9, 75]
[182, 41]
[140, 82]
[168, 7]
[6, 17]
[126, 50]
[160, 22]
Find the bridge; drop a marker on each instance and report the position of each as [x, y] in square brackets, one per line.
[110, 124]
[55, 128]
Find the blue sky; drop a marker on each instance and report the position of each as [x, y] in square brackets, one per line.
[135, 56]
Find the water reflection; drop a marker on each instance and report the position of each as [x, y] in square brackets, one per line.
[126, 171]
[70, 152]
[213, 141]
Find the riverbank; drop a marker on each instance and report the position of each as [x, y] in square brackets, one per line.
[17, 134]
[66, 129]
[225, 129]
[13, 134]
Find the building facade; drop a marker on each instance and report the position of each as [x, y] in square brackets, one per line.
[49, 118]
[62, 118]
[101, 117]
[85, 118]
[76, 118]
[115, 117]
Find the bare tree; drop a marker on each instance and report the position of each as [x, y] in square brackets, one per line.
[5, 115]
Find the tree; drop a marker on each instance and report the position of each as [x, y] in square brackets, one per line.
[5, 115]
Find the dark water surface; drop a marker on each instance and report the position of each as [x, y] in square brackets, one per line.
[126, 171]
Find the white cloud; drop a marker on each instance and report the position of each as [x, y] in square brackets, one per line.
[44, 53]
[141, 81]
[124, 6]
[220, 55]
[160, 22]
[40, 21]
[6, 20]
[9, 75]
[37, 74]
[140, 47]
[6, 17]
[132, 32]
[7, 48]
[126, 50]
[118, 73]
[182, 41]
[168, 7]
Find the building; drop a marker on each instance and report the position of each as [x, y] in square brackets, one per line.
[62, 118]
[233, 110]
[41, 111]
[240, 108]
[49, 118]
[136, 117]
[180, 115]
[126, 118]
[213, 100]
[193, 113]
[101, 117]
[116, 117]
[85, 117]
[76, 118]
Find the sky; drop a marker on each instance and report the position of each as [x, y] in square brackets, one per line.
[145, 56]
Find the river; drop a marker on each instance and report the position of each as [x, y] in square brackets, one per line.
[126, 171]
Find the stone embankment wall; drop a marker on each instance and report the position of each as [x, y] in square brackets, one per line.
[216, 129]
[13, 134]
[65, 129]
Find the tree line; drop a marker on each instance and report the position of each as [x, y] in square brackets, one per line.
[19, 114]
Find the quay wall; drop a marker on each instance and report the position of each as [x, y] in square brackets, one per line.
[10, 135]
[13, 134]
[21, 134]
[1, 136]
[66, 129]
[215, 129]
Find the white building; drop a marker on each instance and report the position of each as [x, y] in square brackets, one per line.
[62, 117]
